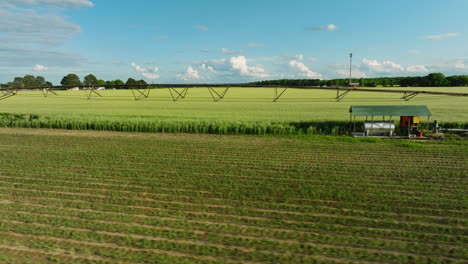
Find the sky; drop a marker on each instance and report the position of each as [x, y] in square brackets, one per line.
[215, 41]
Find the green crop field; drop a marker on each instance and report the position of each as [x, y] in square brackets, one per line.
[108, 197]
[243, 111]
[240, 104]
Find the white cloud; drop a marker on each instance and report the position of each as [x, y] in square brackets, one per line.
[59, 3]
[441, 36]
[393, 65]
[149, 72]
[416, 69]
[240, 64]
[306, 72]
[138, 68]
[355, 74]
[329, 27]
[461, 66]
[454, 66]
[227, 51]
[150, 75]
[39, 67]
[207, 67]
[201, 27]
[382, 67]
[376, 68]
[190, 74]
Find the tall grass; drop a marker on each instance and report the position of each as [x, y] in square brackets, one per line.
[171, 126]
[191, 126]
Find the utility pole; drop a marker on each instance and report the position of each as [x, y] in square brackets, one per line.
[350, 67]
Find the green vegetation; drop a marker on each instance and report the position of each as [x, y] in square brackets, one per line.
[90, 80]
[71, 80]
[431, 80]
[242, 111]
[28, 81]
[106, 197]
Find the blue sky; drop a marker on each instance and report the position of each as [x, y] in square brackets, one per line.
[211, 41]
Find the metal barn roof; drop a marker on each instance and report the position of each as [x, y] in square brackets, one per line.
[390, 110]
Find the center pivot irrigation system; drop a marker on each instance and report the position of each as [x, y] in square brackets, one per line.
[217, 91]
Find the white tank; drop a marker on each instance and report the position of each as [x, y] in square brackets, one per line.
[379, 128]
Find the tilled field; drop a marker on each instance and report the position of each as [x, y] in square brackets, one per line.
[103, 197]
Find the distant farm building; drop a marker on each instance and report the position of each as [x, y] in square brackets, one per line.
[409, 116]
[354, 85]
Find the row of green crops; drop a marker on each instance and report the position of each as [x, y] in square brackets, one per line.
[189, 126]
[92, 197]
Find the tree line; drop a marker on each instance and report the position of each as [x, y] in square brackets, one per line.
[28, 81]
[431, 80]
[71, 80]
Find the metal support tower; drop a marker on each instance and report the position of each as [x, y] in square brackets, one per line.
[218, 96]
[47, 90]
[9, 92]
[350, 67]
[89, 92]
[180, 95]
[141, 93]
[409, 95]
[342, 95]
[277, 96]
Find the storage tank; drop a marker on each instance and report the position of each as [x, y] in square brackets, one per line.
[379, 128]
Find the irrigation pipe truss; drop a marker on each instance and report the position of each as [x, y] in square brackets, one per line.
[179, 91]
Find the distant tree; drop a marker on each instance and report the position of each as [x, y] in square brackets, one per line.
[40, 81]
[436, 80]
[90, 80]
[71, 80]
[142, 82]
[17, 82]
[131, 81]
[101, 82]
[118, 82]
[384, 82]
[458, 80]
[372, 83]
[29, 81]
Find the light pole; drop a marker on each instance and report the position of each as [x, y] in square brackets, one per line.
[350, 67]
